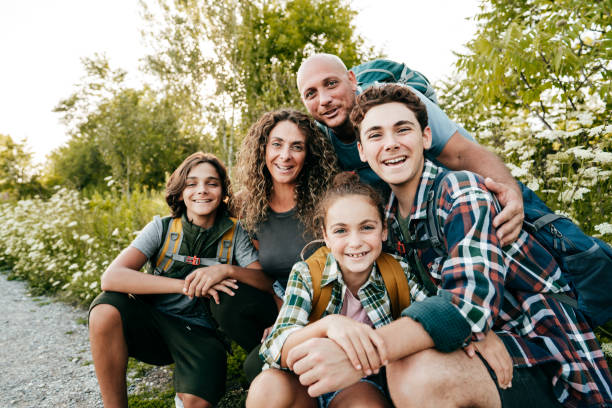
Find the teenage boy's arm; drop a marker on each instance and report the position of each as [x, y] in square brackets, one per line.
[199, 282]
[123, 275]
[460, 153]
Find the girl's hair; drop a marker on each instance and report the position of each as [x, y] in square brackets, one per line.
[255, 179]
[177, 181]
[345, 184]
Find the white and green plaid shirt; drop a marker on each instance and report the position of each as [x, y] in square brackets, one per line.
[298, 303]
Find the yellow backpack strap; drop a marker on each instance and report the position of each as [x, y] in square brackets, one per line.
[395, 282]
[320, 296]
[226, 245]
[171, 246]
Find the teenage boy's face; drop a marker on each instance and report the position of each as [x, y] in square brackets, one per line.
[392, 143]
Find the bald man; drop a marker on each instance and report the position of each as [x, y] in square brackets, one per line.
[328, 91]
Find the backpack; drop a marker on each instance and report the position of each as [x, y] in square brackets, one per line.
[382, 70]
[390, 269]
[167, 254]
[585, 262]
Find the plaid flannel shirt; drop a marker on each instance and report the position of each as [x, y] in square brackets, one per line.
[504, 290]
[297, 305]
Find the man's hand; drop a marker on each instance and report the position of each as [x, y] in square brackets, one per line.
[322, 366]
[199, 282]
[362, 344]
[510, 221]
[225, 286]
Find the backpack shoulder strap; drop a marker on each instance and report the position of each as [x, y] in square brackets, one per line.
[225, 249]
[320, 296]
[171, 245]
[395, 282]
[434, 230]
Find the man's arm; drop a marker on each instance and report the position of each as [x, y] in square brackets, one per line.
[460, 153]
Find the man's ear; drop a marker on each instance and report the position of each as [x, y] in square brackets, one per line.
[360, 149]
[427, 138]
[352, 80]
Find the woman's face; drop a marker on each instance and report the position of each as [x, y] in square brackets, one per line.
[285, 152]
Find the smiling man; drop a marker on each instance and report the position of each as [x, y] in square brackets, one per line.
[470, 287]
[328, 91]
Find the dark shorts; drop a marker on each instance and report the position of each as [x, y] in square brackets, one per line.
[531, 387]
[378, 381]
[156, 338]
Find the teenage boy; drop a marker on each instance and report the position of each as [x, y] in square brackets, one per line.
[474, 287]
[328, 92]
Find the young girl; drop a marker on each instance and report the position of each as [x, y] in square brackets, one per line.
[359, 303]
[169, 319]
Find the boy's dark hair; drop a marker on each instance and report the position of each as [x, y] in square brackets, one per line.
[387, 93]
[344, 184]
[177, 181]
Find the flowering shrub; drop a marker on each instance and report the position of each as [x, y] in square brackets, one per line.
[63, 245]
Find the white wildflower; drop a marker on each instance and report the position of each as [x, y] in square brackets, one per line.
[72, 224]
[580, 153]
[73, 267]
[603, 157]
[93, 285]
[585, 118]
[604, 229]
[115, 232]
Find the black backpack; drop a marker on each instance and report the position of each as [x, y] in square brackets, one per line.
[585, 262]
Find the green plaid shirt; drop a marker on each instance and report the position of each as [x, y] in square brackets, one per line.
[298, 303]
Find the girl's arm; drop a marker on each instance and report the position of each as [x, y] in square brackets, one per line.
[123, 275]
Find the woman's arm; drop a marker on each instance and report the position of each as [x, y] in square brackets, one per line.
[123, 275]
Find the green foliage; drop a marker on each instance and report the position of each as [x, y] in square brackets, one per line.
[134, 135]
[63, 245]
[543, 56]
[256, 49]
[18, 178]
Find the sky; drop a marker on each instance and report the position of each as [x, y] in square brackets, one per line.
[42, 43]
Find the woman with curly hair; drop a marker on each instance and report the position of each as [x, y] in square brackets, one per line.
[284, 167]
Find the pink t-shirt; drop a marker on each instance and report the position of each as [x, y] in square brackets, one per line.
[352, 307]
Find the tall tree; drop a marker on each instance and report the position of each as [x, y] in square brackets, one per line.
[250, 50]
[544, 56]
[18, 177]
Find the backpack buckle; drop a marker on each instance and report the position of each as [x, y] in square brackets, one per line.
[194, 260]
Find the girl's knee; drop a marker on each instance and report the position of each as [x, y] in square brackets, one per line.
[272, 388]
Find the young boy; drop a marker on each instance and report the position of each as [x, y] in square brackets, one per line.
[475, 287]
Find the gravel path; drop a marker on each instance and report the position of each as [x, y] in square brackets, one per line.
[44, 352]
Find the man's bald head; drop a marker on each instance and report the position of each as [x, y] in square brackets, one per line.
[327, 90]
[329, 60]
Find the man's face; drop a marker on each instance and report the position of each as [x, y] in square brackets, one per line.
[328, 92]
[392, 143]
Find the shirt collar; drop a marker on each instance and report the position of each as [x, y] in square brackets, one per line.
[419, 206]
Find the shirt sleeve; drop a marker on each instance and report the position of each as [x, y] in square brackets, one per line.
[149, 239]
[293, 315]
[244, 251]
[442, 128]
[473, 274]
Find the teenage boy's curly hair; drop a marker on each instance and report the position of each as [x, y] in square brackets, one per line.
[255, 180]
[387, 93]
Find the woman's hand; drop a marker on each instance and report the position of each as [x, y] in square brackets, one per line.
[493, 350]
[364, 348]
[199, 282]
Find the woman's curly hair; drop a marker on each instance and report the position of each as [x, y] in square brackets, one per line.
[255, 181]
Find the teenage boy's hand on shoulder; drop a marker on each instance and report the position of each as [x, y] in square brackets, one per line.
[363, 346]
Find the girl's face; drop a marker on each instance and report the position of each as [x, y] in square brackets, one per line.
[354, 232]
[285, 152]
[202, 194]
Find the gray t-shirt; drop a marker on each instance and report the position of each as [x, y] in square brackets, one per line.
[149, 242]
[281, 239]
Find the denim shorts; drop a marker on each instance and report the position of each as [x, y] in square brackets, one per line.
[377, 380]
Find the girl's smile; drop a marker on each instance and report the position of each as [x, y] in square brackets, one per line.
[354, 233]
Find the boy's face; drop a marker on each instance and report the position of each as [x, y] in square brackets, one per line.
[392, 143]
